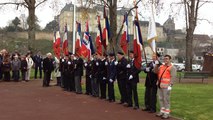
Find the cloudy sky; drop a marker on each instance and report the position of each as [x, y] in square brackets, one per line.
[47, 12]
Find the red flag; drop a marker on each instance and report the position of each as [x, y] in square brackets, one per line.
[56, 44]
[106, 31]
[125, 36]
[85, 48]
[98, 44]
[78, 40]
[65, 42]
[137, 45]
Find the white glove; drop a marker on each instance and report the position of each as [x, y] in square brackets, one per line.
[116, 62]
[104, 78]
[75, 58]
[130, 77]
[106, 63]
[62, 60]
[156, 62]
[97, 64]
[169, 88]
[147, 69]
[69, 62]
[92, 58]
[111, 80]
[85, 64]
[128, 66]
[90, 76]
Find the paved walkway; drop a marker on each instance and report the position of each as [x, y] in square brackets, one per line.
[30, 101]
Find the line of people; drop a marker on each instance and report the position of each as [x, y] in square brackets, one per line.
[103, 71]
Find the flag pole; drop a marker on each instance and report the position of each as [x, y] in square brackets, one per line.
[74, 27]
[141, 34]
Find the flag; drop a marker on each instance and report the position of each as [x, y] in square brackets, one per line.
[78, 40]
[56, 44]
[125, 36]
[65, 41]
[106, 31]
[137, 45]
[85, 48]
[152, 34]
[98, 40]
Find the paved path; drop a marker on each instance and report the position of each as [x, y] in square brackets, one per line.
[30, 101]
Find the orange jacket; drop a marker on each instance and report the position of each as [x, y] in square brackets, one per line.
[164, 79]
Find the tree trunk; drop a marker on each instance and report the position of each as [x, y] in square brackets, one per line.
[189, 56]
[113, 26]
[31, 29]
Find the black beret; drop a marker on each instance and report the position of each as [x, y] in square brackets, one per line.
[70, 53]
[131, 51]
[121, 53]
[111, 54]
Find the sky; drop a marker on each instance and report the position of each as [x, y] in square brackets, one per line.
[46, 14]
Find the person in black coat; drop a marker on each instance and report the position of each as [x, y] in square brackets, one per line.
[37, 59]
[122, 76]
[103, 76]
[48, 67]
[71, 69]
[133, 79]
[151, 87]
[79, 63]
[23, 67]
[111, 77]
[95, 75]
[66, 73]
[88, 67]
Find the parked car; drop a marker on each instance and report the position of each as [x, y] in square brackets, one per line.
[179, 66]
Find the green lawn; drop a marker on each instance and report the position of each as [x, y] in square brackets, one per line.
[188, 101]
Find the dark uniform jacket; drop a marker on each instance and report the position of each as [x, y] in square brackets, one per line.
[88, 68]
[133, 71]
[112, 70]
[37, 59]
[103, 68]
[121, 69]
[79, 63]
[151, 77]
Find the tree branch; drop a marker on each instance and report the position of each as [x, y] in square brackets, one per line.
[14, 3]
[40, 3]
[135, 7]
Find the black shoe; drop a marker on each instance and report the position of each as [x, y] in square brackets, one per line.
[136, 107]
[121, 103]
[128, 105]
[111, 100]
[145, 109]
[152, 111]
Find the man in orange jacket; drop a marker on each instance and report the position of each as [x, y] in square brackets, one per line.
[166, 76]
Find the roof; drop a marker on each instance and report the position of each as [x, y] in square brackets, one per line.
[201, 37]
[146, 23]
[98, 7]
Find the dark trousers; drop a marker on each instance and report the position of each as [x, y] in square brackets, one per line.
[132, 88]
[38, 67]
[58, 81]
[66, 81]
[16, 75]
[103, 89]
[151, 98]
[1, 74]
[62, 79]
[71, 83]
[78, 88]
[23, 75]
[46, 80]
[122, 90]
[88, 85]
[95, 88]
[111, 93]
[7, 76]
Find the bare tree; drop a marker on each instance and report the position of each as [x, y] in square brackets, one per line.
[31, 6]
